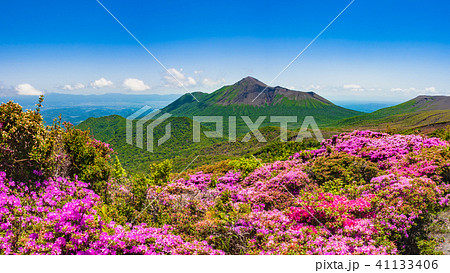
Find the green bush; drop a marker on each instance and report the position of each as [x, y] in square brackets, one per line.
[218, 169]
[220, 233]
[443, 133]
[245, 165]
[283, 150]
[88, 158]
[22, 142]
[29, 150]
[160, 172]
[428, 247]
[118, 171]
[135, 203]
[342, 168]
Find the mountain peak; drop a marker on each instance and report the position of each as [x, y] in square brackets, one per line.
[251, 97]
[251, 82]
[251, 91]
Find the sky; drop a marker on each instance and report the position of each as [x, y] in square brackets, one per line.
[376, 51]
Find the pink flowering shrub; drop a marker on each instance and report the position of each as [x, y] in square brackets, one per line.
[30, 151]
[332, 211]
[359, 193]
[288, 233]
[276, 190]
[382, 148]
[61, 217]
[403, 203]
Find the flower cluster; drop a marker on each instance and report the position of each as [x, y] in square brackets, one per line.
[61, 217]
[380, 147]
[360, 193]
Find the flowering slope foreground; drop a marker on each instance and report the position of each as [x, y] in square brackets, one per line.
[360, 193]
[60, 217]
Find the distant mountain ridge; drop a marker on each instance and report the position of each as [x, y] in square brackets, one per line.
[426, 103]
[76, 108]
[59, 100]
[421, 112]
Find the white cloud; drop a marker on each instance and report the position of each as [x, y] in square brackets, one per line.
[196, 72]
[175, 78]
[405, 90]
[26, 89]
[73, 87]
[431, 89]
[135, 85]
[352, 86]
[425, 91]
[312, 87]
[396, 89]
[102, 82]
[211, 83]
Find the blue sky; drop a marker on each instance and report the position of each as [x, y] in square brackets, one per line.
[376, 51]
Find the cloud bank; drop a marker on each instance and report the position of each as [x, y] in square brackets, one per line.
[135, 85]
[73, 87]
[102, 82]
[26, 89]
[176, 78]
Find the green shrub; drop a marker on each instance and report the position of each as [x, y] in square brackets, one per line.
[118, 171]
[245, 165]
[219, 169]
[342, 168]
[428, 247]
[160, 172]
[283, 150]
[30, 151]
[88, 158]
[220, 233]
[22, 142]
[443, 133]
[133, 203]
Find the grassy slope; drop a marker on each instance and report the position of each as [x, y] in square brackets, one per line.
[407, 115]
[416, 120]
[403, 108]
